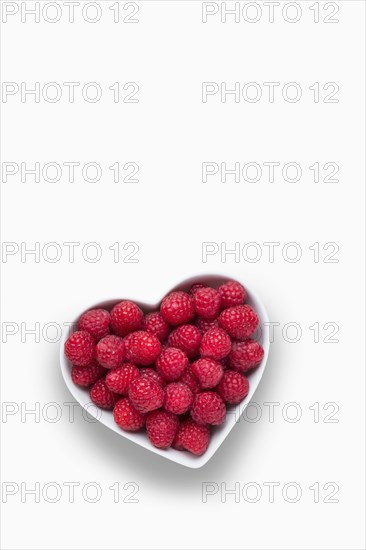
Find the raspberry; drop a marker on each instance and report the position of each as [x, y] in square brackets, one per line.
[177, 442]
[190, 380]
[207, 303]
[96, 322]
[192, 437]
[208, 408]
[161, 427]
[126, 317]
[153, 375]
[119, 380]
[196, 287]
[233, 387]
[145, 394]
[80, 348]
[187, 338]
[154, 324]
[142, 348]
[177, 308]
[127, 417]
[178, 398]
[204, 325]
[102, 396]
[215, 344]
[171, 363]
[86, 376]
[232, 294]
[239, 321]
[110, 352]
[208, 372]
[245, 355]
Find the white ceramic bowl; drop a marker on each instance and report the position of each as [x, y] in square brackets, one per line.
[219, 433]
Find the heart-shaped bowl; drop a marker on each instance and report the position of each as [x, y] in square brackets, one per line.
[219, 433]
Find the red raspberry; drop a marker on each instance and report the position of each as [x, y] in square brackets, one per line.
[177, 308]
[119, 380]
[153, 375]
[204, 325]
[145, 394]
[233, 387]
[110, 352]
[154, 324]
[245, 355]
[161, 427]
[96, 322]
[126, 317]
[208, 372]
[208, 408]
[187, 338]
[177, 442]
[190, 380]
[207, 303]
[239, 321]
[142, 348]
[80, 348]
[127, 417]
[178, 398]
[196, 287]
[102, 396]
[192, 437]
[86, 376]
[232, 294]
[215, 344]
[171, 363]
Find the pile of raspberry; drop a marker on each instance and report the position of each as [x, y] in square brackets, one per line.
[172, 372]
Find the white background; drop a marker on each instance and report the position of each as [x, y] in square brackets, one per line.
[169, 213]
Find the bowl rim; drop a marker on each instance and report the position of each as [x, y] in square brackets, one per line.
[106, 417]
